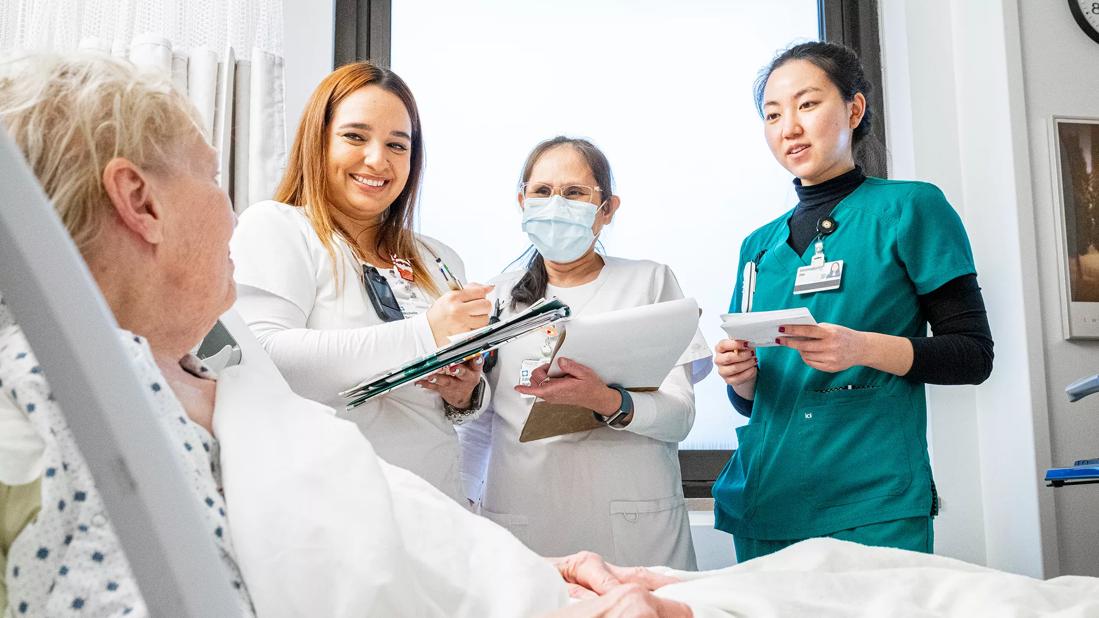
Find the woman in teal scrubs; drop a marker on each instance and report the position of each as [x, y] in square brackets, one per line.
[836, 439]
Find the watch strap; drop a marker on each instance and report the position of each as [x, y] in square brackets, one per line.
[617, 420]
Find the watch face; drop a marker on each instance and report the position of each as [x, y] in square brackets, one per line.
[1086, 14]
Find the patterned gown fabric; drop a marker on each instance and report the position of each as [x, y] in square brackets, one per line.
[69, 562]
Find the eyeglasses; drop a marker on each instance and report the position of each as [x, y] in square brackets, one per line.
[580, 193]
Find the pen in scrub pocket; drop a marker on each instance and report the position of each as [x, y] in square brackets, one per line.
[451, 281]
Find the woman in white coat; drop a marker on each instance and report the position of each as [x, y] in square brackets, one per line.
[617, 489]
[338, 288]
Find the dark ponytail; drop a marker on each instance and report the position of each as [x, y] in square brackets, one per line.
[532, 285]
[842, 66]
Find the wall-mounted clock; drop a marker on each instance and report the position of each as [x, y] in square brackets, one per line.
[1086, 14]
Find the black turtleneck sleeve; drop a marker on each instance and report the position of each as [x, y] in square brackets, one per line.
[960, 350]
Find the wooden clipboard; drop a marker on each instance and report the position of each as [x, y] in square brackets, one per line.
[546, 420]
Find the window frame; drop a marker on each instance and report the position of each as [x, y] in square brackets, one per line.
[363, 31]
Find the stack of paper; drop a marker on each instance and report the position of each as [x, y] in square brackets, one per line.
[539, 314]
[760, 328]
[635, 348]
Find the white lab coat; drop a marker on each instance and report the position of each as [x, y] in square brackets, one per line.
[326, 339]
[615, 492]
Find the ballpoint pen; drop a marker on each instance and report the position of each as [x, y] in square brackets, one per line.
[451, 281]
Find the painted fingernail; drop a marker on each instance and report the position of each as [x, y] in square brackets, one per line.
[458, 372]
[752, 352]
[778, 341]
[433, 380]
[782, 329]
[480, 360]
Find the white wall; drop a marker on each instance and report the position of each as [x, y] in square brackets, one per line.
[955, 109]
[308, 46]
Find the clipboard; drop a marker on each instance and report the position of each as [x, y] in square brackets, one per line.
[609, 344]
[538, 315]
[547, 420]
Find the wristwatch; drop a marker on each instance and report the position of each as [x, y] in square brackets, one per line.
[458, 415]
[618, 419]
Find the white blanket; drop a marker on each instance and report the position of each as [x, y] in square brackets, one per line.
[328, 529]
[322, 527]
[826, 577]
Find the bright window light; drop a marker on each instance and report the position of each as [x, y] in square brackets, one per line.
[664, 88]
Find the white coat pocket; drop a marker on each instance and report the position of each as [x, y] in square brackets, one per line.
[652, 533]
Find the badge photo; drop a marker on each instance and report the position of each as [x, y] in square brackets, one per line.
[827, 276]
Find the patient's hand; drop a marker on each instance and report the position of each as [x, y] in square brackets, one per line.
[611, 591]
[588, 575]
[625, 601]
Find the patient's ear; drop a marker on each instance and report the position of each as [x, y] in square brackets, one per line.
[130, 193]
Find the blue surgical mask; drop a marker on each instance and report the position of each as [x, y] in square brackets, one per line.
[559, 228]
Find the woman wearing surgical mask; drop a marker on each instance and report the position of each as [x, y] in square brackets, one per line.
[615, 490]
[337, 287]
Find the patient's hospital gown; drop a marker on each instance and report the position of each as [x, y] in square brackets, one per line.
[69, 562]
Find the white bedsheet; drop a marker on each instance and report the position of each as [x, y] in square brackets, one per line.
[826, 577]
[322, 527]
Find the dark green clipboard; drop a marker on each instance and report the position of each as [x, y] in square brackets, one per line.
[493, 336]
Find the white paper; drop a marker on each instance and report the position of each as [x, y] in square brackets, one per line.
[635, 347]
[760, 328]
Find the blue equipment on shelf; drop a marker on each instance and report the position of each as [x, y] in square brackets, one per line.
[1084, 471]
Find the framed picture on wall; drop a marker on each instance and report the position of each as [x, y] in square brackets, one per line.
[1075, 157]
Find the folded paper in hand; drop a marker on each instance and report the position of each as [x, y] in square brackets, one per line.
[760, 328]
[635, 348]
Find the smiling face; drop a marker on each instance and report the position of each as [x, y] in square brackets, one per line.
[807, 123]
[369, 155]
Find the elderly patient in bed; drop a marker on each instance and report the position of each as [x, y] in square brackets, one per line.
[312, 523]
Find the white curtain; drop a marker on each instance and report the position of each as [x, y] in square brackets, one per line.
[225, 54]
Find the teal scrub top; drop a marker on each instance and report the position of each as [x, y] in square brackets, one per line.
[824, 452]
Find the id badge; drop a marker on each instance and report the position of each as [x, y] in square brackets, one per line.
[525, 371]
[827, 276]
